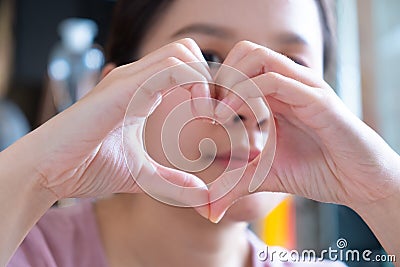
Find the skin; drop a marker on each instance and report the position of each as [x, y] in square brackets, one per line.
[281, 33]
[323, 151]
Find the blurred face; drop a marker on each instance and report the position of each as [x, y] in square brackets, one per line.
[290, 27]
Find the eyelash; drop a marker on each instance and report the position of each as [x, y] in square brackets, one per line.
[297, 61]
[211, 56]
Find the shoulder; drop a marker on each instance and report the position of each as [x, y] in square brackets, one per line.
[62, 237]
[270, 256]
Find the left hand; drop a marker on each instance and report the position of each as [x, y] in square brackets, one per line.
[324, 152]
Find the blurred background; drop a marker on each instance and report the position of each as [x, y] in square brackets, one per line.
[48, 47]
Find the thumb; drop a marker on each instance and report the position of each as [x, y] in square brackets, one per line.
[227, 189]
[174, 187]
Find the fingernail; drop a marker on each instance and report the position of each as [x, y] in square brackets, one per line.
[202, 105]
[203, 211]
[218, 218]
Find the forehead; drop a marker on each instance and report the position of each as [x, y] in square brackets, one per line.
[254, 20]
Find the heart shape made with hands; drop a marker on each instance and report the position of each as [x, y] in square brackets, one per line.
[160, 114]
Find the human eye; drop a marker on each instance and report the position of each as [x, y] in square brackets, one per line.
[298, 60]
[211, 56]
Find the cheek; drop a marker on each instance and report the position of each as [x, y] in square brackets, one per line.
[202, 135]
[254, 207]
[183, 146]
[154, 125]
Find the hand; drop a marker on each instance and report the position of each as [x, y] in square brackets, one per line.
[324, 152]
[79, 152]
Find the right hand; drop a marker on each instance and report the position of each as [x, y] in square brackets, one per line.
[79, 153]
[323, 151]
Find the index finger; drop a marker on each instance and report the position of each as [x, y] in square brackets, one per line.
[252, 60]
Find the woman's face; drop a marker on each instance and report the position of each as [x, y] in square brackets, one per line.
[290, 27]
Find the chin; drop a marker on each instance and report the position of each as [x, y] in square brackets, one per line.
[254, 207]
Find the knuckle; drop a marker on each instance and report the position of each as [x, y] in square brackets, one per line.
[172, 76]
[244, 44]
[117, 70]
[260, 52]
[189, 42]
[179, 48]
[113, 72]
[264, 54]
[171, 61]
[116, 73]
[272, 76]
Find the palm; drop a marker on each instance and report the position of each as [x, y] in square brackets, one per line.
[85, 162]
[106, 171]
[336, 171]
[85, 155]
[300, 166]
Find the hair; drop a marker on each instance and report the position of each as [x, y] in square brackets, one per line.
[133, 18]
[6, 48]
[131, 21]
[327, 11]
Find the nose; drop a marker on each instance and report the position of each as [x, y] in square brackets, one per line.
[255, 117]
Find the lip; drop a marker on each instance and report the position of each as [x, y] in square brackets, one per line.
[236, 159]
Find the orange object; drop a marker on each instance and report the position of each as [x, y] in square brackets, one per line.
[279, 227]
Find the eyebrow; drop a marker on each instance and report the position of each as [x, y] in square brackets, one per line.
[205, 29]
[291, 38]
[288, 38]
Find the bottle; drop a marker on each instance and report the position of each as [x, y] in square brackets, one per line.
[75, 63]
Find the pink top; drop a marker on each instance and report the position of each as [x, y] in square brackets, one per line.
[69, 237]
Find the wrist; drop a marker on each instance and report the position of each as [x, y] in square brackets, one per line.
[383, 219]
[382, 215]
[19, 165]
[22, 198]
[382, 183]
